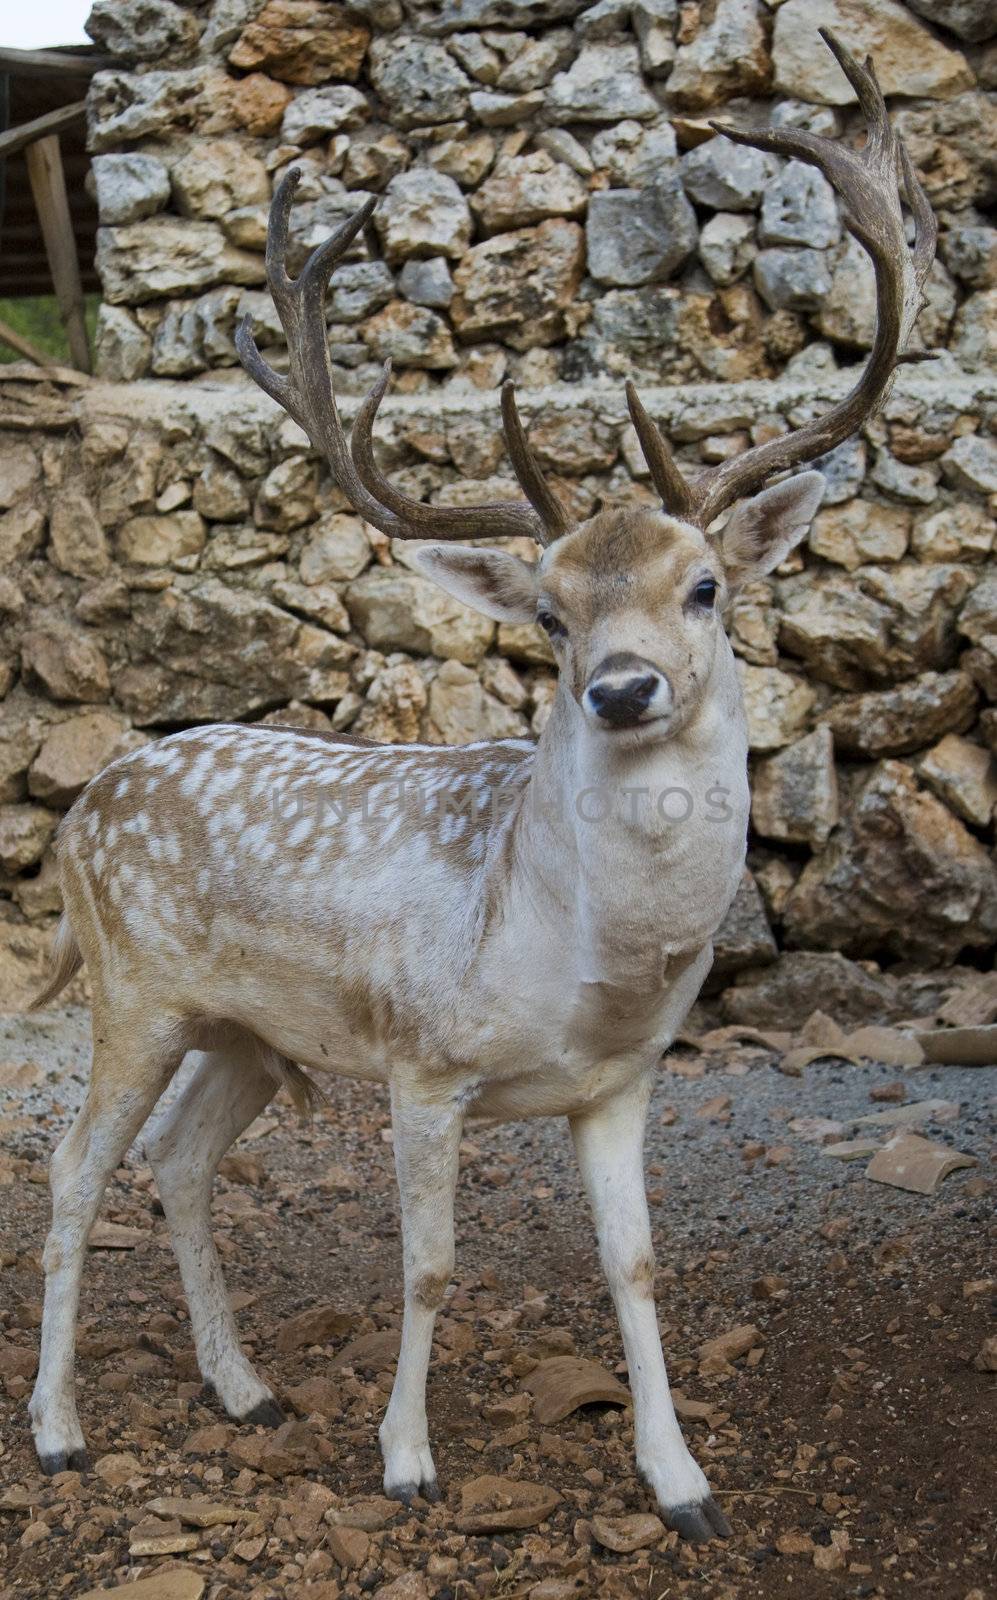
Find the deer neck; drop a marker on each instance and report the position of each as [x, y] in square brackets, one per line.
[638, 850]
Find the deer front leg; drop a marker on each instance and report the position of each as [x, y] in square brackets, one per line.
[427, 1142]
[609, 1144]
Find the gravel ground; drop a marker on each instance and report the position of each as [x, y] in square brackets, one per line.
[851, 1442]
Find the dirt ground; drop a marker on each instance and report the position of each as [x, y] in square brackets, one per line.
[851, 1442]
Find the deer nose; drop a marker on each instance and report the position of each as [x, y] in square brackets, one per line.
[621, 697]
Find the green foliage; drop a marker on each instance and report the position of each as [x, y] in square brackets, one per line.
[36, 317]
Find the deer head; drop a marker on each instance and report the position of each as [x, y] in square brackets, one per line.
[632, 599]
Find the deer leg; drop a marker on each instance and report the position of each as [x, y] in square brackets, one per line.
[229, 1088]
[427, 1141]
[127, 1078]
[609, 1144]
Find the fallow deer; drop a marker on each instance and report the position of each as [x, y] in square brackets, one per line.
[265, 896]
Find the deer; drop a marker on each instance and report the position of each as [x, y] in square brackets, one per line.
[533, 957]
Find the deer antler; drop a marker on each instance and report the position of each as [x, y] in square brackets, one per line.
[307, 394]
[870, 182]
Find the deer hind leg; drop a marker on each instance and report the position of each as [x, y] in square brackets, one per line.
[609, 1144]
[131, 1067]
[427, 1143]
[229, 1087]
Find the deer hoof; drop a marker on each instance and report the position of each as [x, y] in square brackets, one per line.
[267, 1414]
[408, 1492]
[63, 1461]
[699, 1523]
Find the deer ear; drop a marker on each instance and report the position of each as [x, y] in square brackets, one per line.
[761, 532]
[491, 581]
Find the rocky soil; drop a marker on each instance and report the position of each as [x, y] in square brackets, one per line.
[826, 1334]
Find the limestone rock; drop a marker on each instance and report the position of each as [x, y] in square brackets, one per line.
[744, 938]
[158, 541]
[799, 208]
[286, 498]
[952, 147]
[423, 213]
[882, 624]
[790, 279]
[21, 532]
[909, 59]
[859, 532]
[494, 1505]
[969, 250]
[639, 236]
[727, 247]
[25, 831]
[978, 617]
[123, 107]
[518, 285]
[531, 63]
[20, 738]
[397, 610]
[167, 256]
[315, 113]
[20, 470]
[726, 176]
[75, 751]
[974, 335]
[971, 20]
[456, 703]
[604, 84]
[216, 176]
[129, 186]
[574, 442]
[205, 652]
[624, 1535]
[418, 81]
[727, 57]
[302, 41]
[392, 712]
[894, 722]
[410, 336]
[260, 104]
[337, 550]
[794, 794]
[65, 662]
[446, 16]
[121, 350]
[495, 110]
[524, 190]
[971, 463]
[143, 30]
[965, 776]
[777, 705]
[161, 1585]
[427, 283]
[801, 982]
[78, 541]
[860, 896]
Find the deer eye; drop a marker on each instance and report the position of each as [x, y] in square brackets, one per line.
[705, 592]
[549, 623]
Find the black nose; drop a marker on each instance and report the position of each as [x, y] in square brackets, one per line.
[623, 704]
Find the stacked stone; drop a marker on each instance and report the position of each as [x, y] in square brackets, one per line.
[555, 203]
[555, 208]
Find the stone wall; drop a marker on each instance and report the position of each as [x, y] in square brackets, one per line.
[556, 209]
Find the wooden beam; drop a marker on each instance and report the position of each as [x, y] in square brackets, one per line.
[48, 184]
[52, 63]
[23, 346]
[52, 122]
